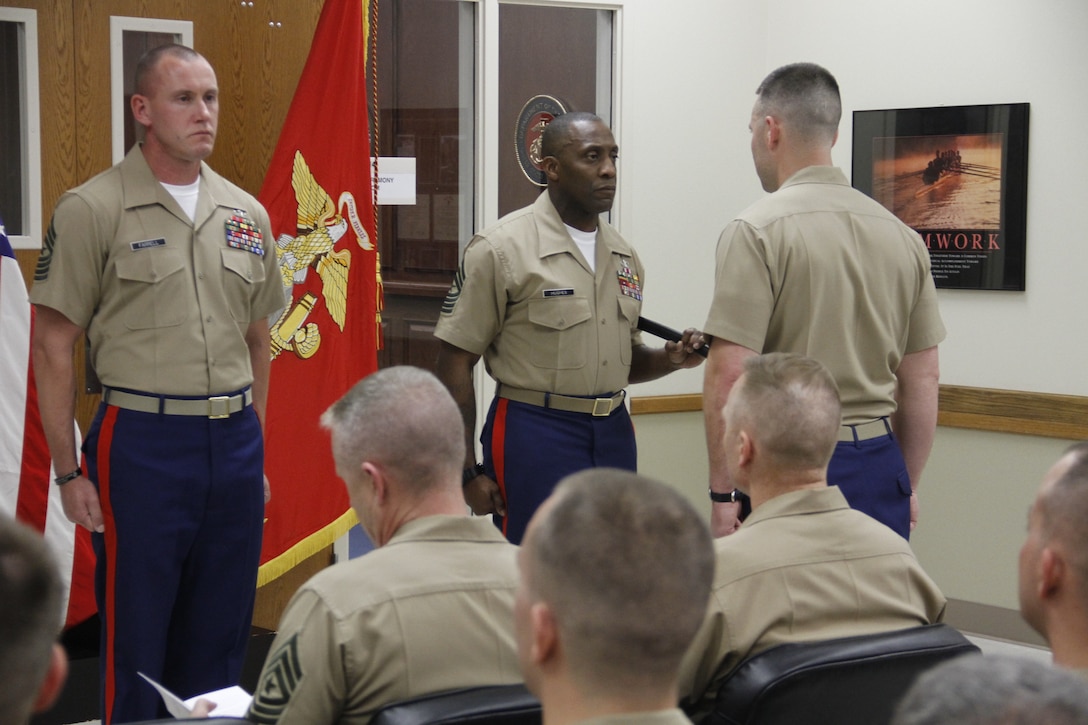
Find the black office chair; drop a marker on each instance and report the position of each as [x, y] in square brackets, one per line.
[202, 721]
[848, 681]
[495, 705]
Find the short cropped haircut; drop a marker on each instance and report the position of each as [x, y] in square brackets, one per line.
[403, 418]
[994, 690]
[557, 133]
[804, 96]
[31, 599]
[1064, 511]
[790, 404]
[149, 61]
[625, 563]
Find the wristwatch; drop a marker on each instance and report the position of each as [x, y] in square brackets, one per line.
[470, 473]
[61, 480]
[730, 497]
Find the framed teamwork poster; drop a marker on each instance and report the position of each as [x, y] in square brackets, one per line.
[958, 176]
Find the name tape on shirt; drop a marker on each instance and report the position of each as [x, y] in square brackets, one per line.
[565, 292]
[147, 244]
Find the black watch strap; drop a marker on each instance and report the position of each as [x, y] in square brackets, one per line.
[61, 480]
[716, 497]
[470, 473]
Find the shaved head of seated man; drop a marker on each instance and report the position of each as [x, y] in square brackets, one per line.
[615, 574]
[804, 565]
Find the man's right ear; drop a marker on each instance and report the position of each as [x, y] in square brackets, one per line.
[545, 634]
[1052, 570]
[138, 104]
[377, 480]
[550, 166]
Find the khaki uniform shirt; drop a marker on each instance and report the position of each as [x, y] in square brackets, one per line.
[661, 717]
[819, 268]
[431, 610]
[165, 301]
[804, 566]
[527, 301]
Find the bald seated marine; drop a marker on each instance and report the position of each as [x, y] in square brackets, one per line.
[804, 565]
[432, 608]
[1054, 560]
[615, 574]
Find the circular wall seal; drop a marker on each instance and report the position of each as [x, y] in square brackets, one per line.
[535, 115]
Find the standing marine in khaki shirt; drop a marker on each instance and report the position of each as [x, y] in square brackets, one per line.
[550, 297]
[170, 271]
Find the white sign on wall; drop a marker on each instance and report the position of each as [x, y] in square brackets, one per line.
[396, 180]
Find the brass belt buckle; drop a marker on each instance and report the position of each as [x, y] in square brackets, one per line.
[225, 400]
[602, 407]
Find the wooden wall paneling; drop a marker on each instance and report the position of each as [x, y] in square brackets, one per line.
[92, 81]
[56, 69]
[258, 53]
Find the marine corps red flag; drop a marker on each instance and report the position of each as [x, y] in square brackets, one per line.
[320, 196]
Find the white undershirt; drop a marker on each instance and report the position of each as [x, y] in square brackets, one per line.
[587, 243]
[185, 196]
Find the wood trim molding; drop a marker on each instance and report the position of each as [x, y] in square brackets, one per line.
[986, 409]
[1011, 411]
[667, 404]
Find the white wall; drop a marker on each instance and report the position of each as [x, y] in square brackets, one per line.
[689, 72]
[690, 68]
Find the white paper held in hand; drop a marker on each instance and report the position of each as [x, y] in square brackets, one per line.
[230, 701]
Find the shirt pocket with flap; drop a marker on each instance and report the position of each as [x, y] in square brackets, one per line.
[153, 288]
[560, 333]
[241, 271]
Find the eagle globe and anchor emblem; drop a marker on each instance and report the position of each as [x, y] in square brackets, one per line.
[535, 116]
[320, 226]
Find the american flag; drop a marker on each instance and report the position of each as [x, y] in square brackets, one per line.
[26, 475]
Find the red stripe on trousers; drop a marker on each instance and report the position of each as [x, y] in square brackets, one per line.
[105, 441]
[498, 450]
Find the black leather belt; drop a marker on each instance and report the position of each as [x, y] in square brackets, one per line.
[599, 407]
[214, 407]
[865, 431]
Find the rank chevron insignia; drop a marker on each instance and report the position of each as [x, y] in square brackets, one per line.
[282, 674]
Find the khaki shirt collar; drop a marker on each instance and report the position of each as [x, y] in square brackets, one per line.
[555, 239]
[659, 717]
[818, 175]
[798, 503]
[448, 528]
[141, 188]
